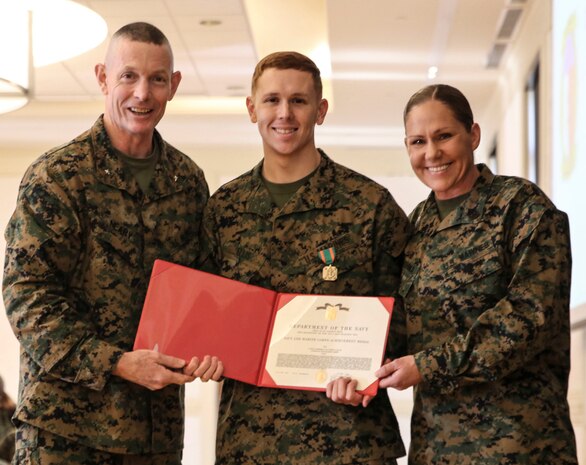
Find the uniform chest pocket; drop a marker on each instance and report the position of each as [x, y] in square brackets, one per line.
[407, 280]
[242, 258]
[116, 239]
[471, 287]
[480, 269]
[466, 268]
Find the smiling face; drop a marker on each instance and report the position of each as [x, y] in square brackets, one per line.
[286, 108]
[138, 81]
[441, 149]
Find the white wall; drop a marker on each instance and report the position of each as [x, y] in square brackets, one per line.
[505, 119]
[508, 122]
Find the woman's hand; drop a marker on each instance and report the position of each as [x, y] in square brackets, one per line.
[401, 373]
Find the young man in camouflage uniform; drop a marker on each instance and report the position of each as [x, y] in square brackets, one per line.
[268, 228]
[92, 216]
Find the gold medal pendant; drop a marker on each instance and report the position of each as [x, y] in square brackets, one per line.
[327, 256]
[330, 273]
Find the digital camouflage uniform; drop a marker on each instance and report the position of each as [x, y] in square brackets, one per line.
[6, 432]
[80, 247]
[487, 296]
[253, 241]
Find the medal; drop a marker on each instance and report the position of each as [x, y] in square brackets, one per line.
[330, 272]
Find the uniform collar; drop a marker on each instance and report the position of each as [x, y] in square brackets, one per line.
[470, 211]
[316, 193]
[110, 170]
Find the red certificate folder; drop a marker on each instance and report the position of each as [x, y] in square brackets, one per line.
[189, 313]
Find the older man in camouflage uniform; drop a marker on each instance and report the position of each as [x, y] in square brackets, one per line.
[92, 216]
[269, 227]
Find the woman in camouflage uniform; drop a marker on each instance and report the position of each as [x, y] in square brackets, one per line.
[486, 285]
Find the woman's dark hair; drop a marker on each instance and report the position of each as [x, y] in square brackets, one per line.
[449, 96]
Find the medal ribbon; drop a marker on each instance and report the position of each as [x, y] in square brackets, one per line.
[327, 255]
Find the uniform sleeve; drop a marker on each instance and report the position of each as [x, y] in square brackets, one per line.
[208, 256]
[530, 317]
[48, 316]
[392, 232]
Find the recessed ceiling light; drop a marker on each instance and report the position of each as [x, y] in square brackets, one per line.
[432, 72]
[210, 22]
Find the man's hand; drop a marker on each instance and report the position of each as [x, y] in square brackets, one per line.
[153, 370]
[401, 373]
[209, 368]
[343, 391]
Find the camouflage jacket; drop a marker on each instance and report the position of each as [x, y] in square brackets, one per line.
[249, 239]
[80, 248]
[7, 433]
[486, 293]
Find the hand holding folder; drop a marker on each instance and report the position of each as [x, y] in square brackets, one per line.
[263, 337]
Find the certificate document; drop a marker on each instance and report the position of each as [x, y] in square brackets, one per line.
[263, 337]
[316, 339]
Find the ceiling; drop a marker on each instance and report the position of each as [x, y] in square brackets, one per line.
[380, 52]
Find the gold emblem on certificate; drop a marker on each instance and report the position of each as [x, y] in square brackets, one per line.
[321, 376]
[330, 272]
[331, 312]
